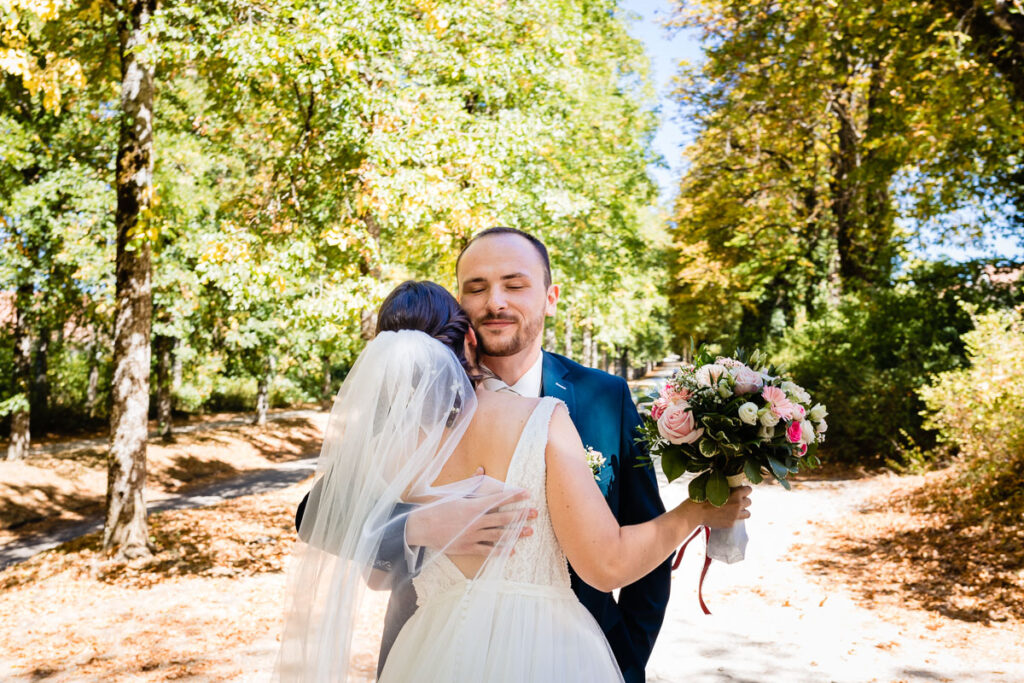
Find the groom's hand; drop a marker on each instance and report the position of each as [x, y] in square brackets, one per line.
[467, 526]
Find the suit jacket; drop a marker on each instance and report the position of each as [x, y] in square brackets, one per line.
[603, 412]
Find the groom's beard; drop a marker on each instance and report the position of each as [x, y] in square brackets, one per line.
[528, 331]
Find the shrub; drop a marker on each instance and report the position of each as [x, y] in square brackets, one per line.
[978, 410]
[868, 357]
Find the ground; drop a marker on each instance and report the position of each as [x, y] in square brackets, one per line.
[851, 576]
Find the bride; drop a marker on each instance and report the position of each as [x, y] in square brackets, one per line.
[409, 429]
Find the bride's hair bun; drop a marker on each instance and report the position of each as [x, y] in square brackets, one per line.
[428, 307]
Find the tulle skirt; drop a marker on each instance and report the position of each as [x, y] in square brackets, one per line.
[501, 632]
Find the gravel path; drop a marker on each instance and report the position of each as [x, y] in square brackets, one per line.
[773, 622]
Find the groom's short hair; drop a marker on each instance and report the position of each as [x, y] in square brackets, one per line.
[501, 230]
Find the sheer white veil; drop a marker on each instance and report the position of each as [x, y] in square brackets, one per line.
[397, 418]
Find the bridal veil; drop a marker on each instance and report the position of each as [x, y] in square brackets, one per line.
[397, 418]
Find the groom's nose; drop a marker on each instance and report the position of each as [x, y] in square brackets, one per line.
[496, 302]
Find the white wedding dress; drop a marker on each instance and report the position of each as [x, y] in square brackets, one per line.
[524, 625]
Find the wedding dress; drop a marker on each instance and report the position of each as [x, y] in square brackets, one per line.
[518, 619]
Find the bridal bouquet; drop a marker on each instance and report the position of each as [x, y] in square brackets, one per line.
[728, 420]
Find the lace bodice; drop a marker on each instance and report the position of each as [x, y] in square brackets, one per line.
[538, 558]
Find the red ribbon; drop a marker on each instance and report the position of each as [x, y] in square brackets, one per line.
[707, 563]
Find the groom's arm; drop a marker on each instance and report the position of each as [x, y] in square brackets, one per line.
[644, 602]
[394, 556]
[461, 527]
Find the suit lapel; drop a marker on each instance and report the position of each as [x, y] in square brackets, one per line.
[554, 382]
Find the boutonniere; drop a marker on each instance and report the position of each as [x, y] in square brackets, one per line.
[596, 461]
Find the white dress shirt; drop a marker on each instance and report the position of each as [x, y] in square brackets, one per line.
[529, 385]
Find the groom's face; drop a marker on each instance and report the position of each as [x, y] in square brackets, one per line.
[501, 287]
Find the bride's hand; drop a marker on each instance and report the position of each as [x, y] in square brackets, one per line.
[733, 510]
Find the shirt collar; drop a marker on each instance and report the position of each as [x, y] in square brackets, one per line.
[529, 384]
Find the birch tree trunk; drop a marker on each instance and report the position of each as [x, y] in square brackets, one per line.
[126, 532]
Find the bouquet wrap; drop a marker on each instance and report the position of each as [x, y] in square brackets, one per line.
[729, 545]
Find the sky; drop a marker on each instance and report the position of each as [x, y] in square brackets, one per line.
[666, 49]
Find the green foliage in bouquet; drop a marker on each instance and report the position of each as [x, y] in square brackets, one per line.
[731, 416]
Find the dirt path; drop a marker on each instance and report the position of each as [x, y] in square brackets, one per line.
[259, 481]
[774, 620]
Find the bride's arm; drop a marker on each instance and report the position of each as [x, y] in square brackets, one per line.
[604, 554]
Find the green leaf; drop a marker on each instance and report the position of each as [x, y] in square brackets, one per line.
[708, 448]
[673, 466]
[698, 488]
[778, 469]
[717, 489]
[752, 471]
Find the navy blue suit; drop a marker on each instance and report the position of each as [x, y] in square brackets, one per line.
[604, 414]
[602, 410]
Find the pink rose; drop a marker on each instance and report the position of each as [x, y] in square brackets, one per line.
[803, 450]
[781, 406]
[747, 381]
[658, 407]
[799, 412]
[794, 431]
[672, 395]
[676, 424]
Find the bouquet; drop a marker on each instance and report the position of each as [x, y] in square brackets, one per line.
[728, 420]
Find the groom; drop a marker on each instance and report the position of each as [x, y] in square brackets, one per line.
[505, 286]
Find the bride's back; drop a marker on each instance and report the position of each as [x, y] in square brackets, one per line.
[489, 442]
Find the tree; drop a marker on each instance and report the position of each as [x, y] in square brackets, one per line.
[126, 530]
[830, 138]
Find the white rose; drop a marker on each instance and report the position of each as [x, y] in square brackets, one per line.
[748, 413]
[818, 413]
[747, 381]
[806, 432]
[766, 432]
[822, 426]
[768, 418]
[708, 375]
[796, 391]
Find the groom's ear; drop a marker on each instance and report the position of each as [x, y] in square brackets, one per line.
[471, 346]
[552, 300]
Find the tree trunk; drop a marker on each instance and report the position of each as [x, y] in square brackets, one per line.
[40, 374]
[92, 391]
[568, 336]
[163, 345]
[263, 393]
[126, 533]
[588, 347]
[624, 363]
[21, 420]
[325, 379]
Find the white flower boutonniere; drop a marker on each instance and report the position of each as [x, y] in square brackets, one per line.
[596, 461]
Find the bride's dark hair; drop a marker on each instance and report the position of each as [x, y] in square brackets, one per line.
[428, 307]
